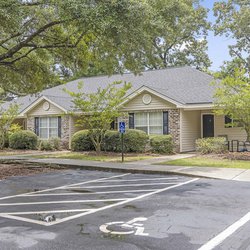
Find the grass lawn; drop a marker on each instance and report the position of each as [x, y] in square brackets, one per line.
[202, 161]
[93, 157]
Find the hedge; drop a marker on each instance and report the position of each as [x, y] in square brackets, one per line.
[50, 144]
[81, 141]
[23, 139]
[161, 144]
[209, 145]
[134, 141]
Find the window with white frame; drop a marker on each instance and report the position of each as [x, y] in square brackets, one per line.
[151, 122]
[48, 127]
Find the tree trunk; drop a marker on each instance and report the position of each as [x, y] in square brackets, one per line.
[247, 129]
[98, 148]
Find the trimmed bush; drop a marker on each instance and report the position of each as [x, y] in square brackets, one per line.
[50, 144]
[161, 144]
[112, 141]
[134, 141]
[45, 145]
[209, 145]
[23, 139]
[81, 141]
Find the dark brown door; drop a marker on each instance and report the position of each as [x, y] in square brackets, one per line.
[208, 125]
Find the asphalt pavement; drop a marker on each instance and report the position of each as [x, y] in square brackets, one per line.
[80, 209]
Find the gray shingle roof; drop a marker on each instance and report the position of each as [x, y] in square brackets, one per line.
[184, 85]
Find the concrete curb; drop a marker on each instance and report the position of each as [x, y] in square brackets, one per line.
[103, 168]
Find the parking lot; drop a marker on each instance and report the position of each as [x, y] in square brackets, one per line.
[76, 209]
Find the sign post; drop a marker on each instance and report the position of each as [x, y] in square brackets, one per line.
[122, 129]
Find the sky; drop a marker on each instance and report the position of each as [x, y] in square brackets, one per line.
[217, 45]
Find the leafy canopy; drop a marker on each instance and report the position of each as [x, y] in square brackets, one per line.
[96, 111]
[232, 98]
[42, 40]
[178, 34]
[45, 41]
[7, 116]
[234, 22]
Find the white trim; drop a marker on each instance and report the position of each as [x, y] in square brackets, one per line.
[181, 128]
[145, 88]
[205, 106]
[40, 99]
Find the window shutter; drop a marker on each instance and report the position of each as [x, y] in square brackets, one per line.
[131, 120]
[165, 123]
[37, 126]
[59, 126]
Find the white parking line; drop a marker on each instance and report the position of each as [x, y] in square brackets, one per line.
[71, 185]
[90, 193]
[125, 185]
[152, 179]
[121, 202]
[47, 212]
[147, 192]
[105, 207]
[59, 202]
[226, 233]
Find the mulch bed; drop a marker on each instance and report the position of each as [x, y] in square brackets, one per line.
[243, 156]
[9, 170]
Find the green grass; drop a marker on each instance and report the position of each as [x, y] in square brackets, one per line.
[103, 158]
[200, 161]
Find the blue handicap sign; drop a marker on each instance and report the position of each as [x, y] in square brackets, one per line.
[122, 127]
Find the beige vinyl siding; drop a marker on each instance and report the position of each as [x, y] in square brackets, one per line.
[156, 103]
[231, 133]
[39, 111]
[190, 129]
[74, 128]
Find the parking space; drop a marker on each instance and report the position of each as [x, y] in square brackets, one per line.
[102, 210]
[57, 205]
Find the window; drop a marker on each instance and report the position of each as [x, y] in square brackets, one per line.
[232, 123]
[48, 127]
[151, 123]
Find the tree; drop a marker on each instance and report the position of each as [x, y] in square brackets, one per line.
[7, 116]
[99, 109]
[178, 35]
[233, 21]
[232, 99]
[42, 41]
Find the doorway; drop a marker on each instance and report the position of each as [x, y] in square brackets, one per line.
[208, 125]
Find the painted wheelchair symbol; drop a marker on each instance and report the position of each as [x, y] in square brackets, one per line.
[130, 227]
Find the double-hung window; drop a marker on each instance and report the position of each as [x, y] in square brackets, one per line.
[150, 122]
[48, 127]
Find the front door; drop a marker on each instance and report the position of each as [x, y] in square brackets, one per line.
[208, 125]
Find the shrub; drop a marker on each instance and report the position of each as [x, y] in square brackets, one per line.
[162, 144]
[81, 141]
[56, 143]
[50, 144]
[135, 140]
[13, 128]
[112, 141]
[211, 145]
[23, 139]
[45, 145]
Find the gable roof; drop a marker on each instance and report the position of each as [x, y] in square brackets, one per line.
[183, 85]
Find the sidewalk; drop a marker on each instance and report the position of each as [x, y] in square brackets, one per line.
[145, 167]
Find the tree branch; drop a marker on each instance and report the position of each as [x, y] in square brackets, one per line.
[22, 44]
